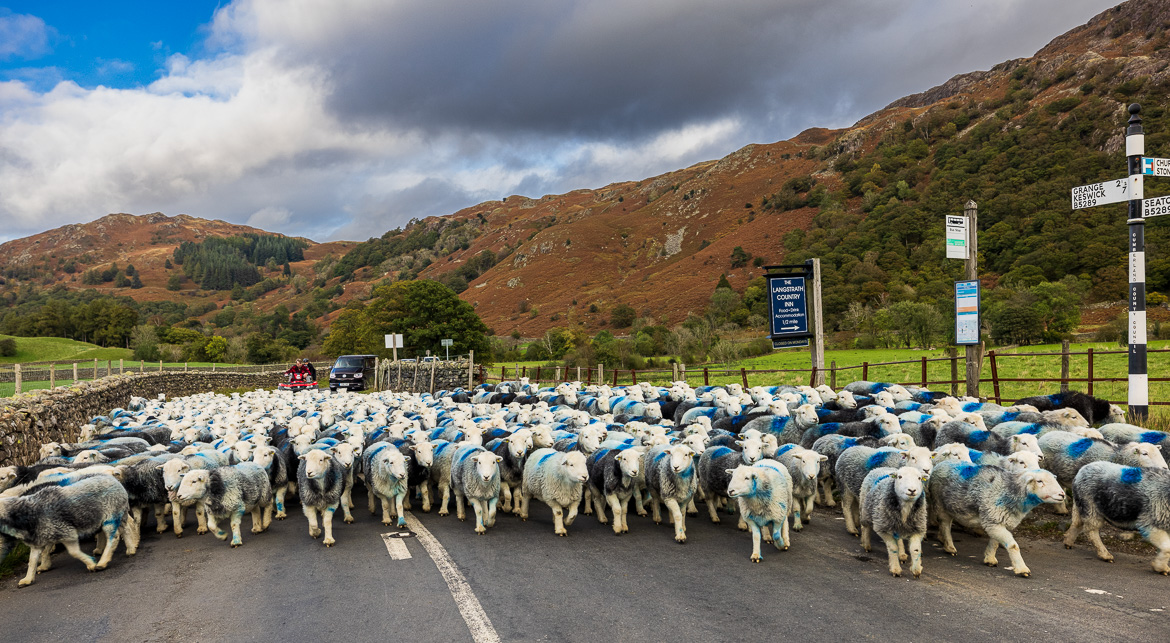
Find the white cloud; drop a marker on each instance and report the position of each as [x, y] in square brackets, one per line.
[22, 35]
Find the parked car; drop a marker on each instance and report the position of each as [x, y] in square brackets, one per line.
[352, 372]
[430, 358]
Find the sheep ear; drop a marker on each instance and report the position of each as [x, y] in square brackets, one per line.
[822, 458]
[739, 443]
[499, 459]
[730, 471]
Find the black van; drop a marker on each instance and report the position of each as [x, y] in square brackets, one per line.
[352, 372]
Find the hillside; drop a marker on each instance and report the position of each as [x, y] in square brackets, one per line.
[869, 200]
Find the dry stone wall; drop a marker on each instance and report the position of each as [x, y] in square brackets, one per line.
[415, 377]
[56, 415]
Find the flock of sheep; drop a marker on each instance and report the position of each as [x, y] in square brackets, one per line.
[900, 458]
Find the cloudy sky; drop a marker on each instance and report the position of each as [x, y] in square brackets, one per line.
[341, 119]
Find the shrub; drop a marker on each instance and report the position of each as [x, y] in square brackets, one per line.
[7, 347]
[622, 316]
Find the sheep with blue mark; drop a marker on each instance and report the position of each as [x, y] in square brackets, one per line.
[898, 391]
[878, 426]
[558, 480]
[1121, 432]
[613, 476]
[475, 477]
[991, 499]
[893, 505]
[1130, 498]
[787, 429]
[671, 480]
[173, 471]
[65, 514]
[512, 452]
[763, 496]
[277, 467]
[1065, 453]
[320, 482]
[971, 436]
[856, 462]
[143, 480]
[386, 480]
[1093, 409]
[713, 465]
[804, 467]
[227, 493]
[832, 446]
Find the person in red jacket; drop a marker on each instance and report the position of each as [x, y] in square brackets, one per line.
[297, 371]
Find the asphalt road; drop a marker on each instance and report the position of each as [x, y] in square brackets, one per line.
[590, 586]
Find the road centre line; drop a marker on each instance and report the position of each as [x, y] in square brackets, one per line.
[469, 607]
[395, 547]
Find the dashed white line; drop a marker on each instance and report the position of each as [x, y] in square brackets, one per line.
[395, 547]
[469, 607]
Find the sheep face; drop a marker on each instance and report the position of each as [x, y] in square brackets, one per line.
[487, 465]
[753, 449]
[542, 437]
[575, 467]
[88, 457]
[695, 442]
[264, 456]
[243, 451]
[50, 449]
[1148, 455]
[394, 462]
[897, 440]
[630, 462]
[1116, 414]
[743, 481]
[681, 457]
[907, 483]
[973, 418]
[1070, 417]
[806, 414]
[316, 462]
[1086, 432]
[810, 463]
[1021, 461]
[889, 423]
[520, 443]
[7, 477]
[953, 452]
[193, 486]
[919, 458]
[884, 398]
[1025, 442]
[1043, 485]
[846, 400]
[591, 438]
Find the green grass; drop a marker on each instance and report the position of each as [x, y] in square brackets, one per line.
[16, 562]
[50, 349]
[37, 377]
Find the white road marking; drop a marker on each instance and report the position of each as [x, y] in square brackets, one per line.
[473, 614]
[395, 547]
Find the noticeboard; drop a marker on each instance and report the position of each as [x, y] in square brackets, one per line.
[967, 312]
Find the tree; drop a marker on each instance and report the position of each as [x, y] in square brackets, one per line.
[287, 272]
[175, 281]
[167, 264]
[424, 312]
[622, 316]
[215, 348]
[136, 282]
[121, 281]
[349, 332]
[7, 347]
[739, 257]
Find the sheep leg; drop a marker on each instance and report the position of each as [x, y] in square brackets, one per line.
[311, 514]
[599, 507]
[328, 522]
[506, 492]
[1160, 539]
[944, 534]
[1074, 529]
[678, 517]
[387, 509]
[522, 509]
[178, 516]
[780, 535]
[847, 502]
[446, 489]
[1094, 535]
[400, 502]
[865, 536]
[639, 501]
[237, 517]
[34, 559]
[655, 512]
[827, 490]
[201, 516]
[112, 534]
[712, 509]
[795, 512]
[1061, 507]
[491, 505]
[559, 521]
[160, 518]
[99, 543]
[809, 503]
[279, 493]
[345, 503]
[459, 512]
[588, 497]
[1001, 536]
[132, 535]
[74, 550]
[46, 559]
[479, 512]
[571, 515]
[756, 557]
[891, 551]
[916, 555]
[426, 496]
[266, 519]
[371, 504]
[615, 505]
[213, 525]
[691, 508]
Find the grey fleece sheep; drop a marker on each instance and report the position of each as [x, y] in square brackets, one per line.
[441, 471]
[804, 466]
[972, 436]
[671, 480]
[831, 446]
[228, 493]
[1126, 497]
[1065, 453]
[613, 476]
[991, 499]
[788, 429]
[386, 479]
[320, 481]
[1121, 433]
[893, 505]
[763, 495]
[856, 462]
[558, 480]
[714, 467]
[475, 475]
[53, 514]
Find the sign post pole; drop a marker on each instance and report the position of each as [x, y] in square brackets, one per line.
[1139, 386]
[973, 353]
[818, 338]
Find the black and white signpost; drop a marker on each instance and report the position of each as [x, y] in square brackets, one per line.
[791, 289]
[1131, 190]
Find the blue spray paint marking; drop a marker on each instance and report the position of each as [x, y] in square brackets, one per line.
[721, 451]
[979, 436]
[1152, 437]
[1131, 475]
[876, 460]
[1010, 416]
[1078, 448]
[439, 448]
[974, 455]
[1030, 502]
[784, 449]
[778, 423]
[972, 407]
[466, 454]
[660, 456]
[967, 471]
[1031, 429]
[879, 479]
[545, 457]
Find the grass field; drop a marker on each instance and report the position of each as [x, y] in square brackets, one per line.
[49, 349]
[37, 378]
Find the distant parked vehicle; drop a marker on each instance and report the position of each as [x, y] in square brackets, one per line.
[430, 358]
[352, 372]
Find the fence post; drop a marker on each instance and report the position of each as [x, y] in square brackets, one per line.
[743, 373]
[812, 380]
[953, 353]
[470, 370]
[185, 366]
[578, 373]
[52, 376]
[95, 368]
[1090, 387]
[923, 371]
[634, 376]
[615, 372]
[141, 366]
[706, 377]
[865, 371]
[833, 375]
[601, 374]
[994, 376]
[588, 375]
[121, 366]
[682, 372]
[558, 374]
[160, 366]
[109, 367]
[16, 370]
[1064, 366]
[74, 372]
[432, 388]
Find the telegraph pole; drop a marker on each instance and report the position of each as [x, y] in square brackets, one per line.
[1139, 383]
[973, 352]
